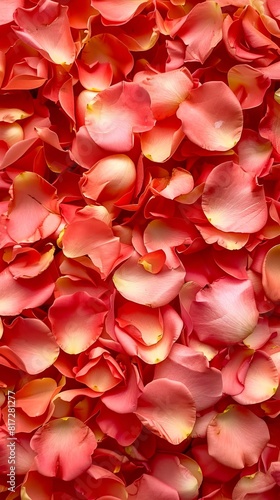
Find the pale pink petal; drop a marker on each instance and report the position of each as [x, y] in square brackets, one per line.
[148, 333]
[103, 249]
[251, 145]
[115, 114]
[192, 369]
[142, 287]
[16, 295]
[254, 486]
[150, 487]
[46, 28]
[248, 84]
[35, 396]
[106, 49]
[7, 10]
[206, 123]
[261, 380]
[27, 262]
[167, 409]
[124, 397]
[77, 321]
[233, 201]
[166, 90]
[228, 240]
[201, 31]
[179, 183]
[33, 212]
[214, 312]
[109, 180]
[54, 444]
[124, 428]
[32, 341]
[270, 274]
[237, 437]
[177, 472]
[120, 13]
[163, 140]
[270, 123]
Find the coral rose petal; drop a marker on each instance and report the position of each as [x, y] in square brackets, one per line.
[208, 125]
[232, 200]
[54, 444]
[115, 114]
[214, 312]
[142, 287]
[167, 409]
[271, 274]
[237, 437]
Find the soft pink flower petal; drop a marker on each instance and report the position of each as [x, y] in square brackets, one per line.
[271, 274]
[201, 31]
[120, 13]
[160, 143]
[142, 287]
[214, 312]
[33, 212]
[32, 341]
[232, 200]
[206, 123]
[27, 262]
[35, 396]
[147, 333]
[124, 397]
[148, 486]
[167, 408]
[115, 114]
[237, 437]
[124, 428]
[179, 183]
[180, 472]
[77, 321]
[248, 84]
[255, 486]
[251, 145]
[269, 125]
[103, 249]
[192, 369]
[46, 28]
[166, 90]
[19, 294]
[106, 49]
[54, 444]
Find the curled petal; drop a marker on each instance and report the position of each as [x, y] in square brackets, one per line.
[54, 444]
[118, 14]
[46, 28]
[271, 274]
[142, 287]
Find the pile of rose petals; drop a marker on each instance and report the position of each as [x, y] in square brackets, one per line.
[140, 249]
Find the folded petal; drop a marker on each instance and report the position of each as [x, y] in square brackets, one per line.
[271, 274]
[118, 14]
[201, 31]
[124, 428]
[233, 201]
[167, 409]
[248, 84]
[206, 123]
[54, 444]
[115, 114]
[237, 437]
[142, 287]
[46, 28]
[94, 238]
